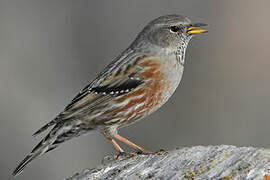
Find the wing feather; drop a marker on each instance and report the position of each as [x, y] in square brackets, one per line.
[118, 78]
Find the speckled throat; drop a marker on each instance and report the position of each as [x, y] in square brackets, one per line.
[181, 50]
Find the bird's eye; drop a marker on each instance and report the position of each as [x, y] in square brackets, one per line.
[174, 29]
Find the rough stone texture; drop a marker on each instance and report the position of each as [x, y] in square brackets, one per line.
[199, 162]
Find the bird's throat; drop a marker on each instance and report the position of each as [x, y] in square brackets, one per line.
[181, 51]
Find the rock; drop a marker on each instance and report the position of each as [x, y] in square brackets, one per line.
[199, 162]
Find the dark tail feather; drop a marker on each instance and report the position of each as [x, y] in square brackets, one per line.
[38, 150]
[24, 163]
[44, 128]
[50, 142]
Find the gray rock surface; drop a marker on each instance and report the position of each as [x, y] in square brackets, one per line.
[200, 162]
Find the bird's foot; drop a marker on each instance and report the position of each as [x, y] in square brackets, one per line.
[143, 152]
[126, 155]
[161, 152]
[122, 155]
[107, 159]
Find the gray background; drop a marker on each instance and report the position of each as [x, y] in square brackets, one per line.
[51, 49]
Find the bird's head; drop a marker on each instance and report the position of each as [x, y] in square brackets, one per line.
[169, 32]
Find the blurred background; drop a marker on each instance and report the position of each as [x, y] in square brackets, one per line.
[49, 50]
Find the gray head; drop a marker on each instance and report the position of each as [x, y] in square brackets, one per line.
[169, 32]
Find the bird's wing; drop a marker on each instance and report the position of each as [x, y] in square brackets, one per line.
[97, 96]
[118, 78]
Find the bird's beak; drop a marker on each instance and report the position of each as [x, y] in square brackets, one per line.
[194, 29]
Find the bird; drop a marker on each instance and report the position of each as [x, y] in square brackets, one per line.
[135, 84]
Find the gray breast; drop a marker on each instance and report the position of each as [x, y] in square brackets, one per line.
[172, 71]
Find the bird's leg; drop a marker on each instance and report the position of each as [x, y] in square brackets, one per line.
[122, 153]
[129, 143]
[115, 145]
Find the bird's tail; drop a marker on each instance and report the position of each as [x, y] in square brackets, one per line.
[25, 162]
[36, 152]
[50, 142]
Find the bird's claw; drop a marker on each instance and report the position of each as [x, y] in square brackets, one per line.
[125, 155]
[161, 152]
[143, 152]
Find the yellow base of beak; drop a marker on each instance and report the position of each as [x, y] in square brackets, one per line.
[195, 30]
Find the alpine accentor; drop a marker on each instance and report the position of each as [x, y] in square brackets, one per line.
[136, 83]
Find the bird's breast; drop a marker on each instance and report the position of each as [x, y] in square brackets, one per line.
[160, 81]
[172, 72]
